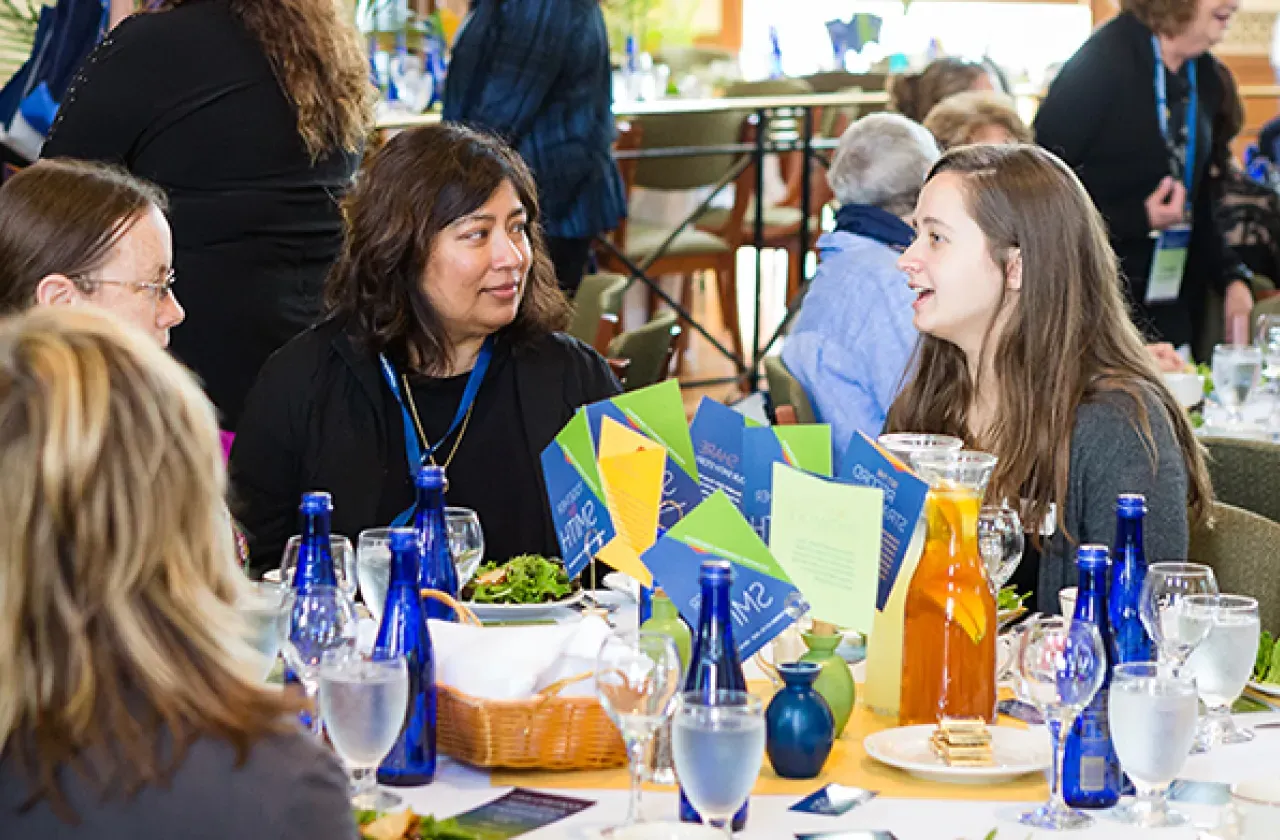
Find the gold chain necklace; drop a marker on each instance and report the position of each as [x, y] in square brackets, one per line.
[422, 435]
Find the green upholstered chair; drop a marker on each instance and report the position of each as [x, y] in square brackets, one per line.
[647, 351]
[1244, 551]
[1246, 474]
[785, 389]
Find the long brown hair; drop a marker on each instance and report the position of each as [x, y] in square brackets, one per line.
[315, 51]
[1069, 338]
[63, 216]
[119, 642]
[415, 186]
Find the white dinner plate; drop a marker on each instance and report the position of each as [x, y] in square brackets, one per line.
[1017, 752]
[1269, 689]
[521, 612]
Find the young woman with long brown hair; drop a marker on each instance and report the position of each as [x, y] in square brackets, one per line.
[252, 116]
[130, 704]
[1028, 353]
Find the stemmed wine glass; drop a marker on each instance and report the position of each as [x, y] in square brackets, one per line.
[261, 607]
[1000, 542]
[466, 541]
[363, 703]
[1222, 663]
[717, 741]
[1236, 371]
[1062, 665]
[344, 562]
[1153, 723]
[1175, 630]
[315, 621]
[637, 677]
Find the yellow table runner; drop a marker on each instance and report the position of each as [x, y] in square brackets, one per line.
[848, 764]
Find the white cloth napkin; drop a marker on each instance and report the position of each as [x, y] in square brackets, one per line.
[508, 663]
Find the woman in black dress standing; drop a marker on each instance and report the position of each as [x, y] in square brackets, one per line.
[1140, 139]
[251, 115]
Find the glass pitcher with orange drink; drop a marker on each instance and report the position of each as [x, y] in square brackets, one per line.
[949, 619]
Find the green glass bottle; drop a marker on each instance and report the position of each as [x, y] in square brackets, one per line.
[835, 683]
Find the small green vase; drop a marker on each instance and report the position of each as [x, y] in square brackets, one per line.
[835, 683]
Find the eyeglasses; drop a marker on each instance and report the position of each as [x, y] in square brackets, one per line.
[158, 290]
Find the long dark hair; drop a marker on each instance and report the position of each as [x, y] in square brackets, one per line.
[415, 186]
[1070, 338]
[62, 216]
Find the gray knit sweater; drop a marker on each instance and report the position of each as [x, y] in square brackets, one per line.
[1108, 458]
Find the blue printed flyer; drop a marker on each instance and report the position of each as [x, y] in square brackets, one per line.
[518, 812]
[760, 589]
[716, 432]
[867, 465]
[583, 524]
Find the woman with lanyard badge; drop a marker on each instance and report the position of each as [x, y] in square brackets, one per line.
[440, 346]
[1130, 113]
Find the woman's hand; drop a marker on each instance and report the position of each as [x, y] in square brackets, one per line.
[1237, 310]
[1166, 206]
[1166, 358]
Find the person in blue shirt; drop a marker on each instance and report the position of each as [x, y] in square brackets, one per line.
[853, 337]
[536, 73]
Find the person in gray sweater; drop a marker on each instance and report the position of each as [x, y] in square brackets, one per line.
[130, 700]
[1027, 352]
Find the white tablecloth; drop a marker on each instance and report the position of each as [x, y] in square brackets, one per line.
[458, 788]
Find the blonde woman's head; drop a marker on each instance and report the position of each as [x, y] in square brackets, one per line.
[976, 116]
[119, 641]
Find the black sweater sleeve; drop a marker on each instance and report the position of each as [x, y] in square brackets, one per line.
[112, 100]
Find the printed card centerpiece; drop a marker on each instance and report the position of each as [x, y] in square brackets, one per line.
[760, 590]
[657, 412]
[806, 447]
[583, 524]
[868, 465]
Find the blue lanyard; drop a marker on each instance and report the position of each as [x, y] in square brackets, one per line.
[412, 450]
[1191, 121]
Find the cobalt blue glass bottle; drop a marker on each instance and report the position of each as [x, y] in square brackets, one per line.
[714, 664]
[1090, 766]
[315, 554]
[437, 570]
[403, 632]
[1130, 642]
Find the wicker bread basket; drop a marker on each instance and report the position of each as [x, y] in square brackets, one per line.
[543, 732]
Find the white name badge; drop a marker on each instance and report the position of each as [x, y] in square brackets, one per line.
[1167, 264]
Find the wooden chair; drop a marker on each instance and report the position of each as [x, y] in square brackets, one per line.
[786, 391]
[595, 309]
[1246, 474]
[648, 350]
[692, 250]
[1244, 551]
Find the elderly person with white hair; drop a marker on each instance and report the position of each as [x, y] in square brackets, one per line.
[853, 337]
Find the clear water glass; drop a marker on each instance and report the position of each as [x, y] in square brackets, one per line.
[1153, 724]
[261, 607]
[373, 555]
[344, 562]
[316, 621]
[1222, 664]
[1001, 542]
[1162, 607]
[1062, 664]
[363, 704]
[717, 741]
[1237, 369]
[637, 677]
[1267, 338]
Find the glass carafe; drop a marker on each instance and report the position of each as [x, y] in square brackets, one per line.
[949, 620]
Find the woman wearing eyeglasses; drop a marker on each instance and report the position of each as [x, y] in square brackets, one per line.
[75, 233]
